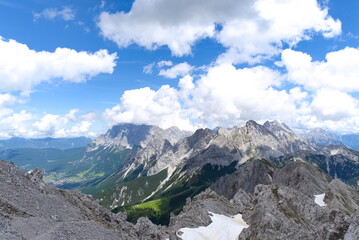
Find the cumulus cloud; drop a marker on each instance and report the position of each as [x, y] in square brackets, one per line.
[164, 63]
[339, 71]
[224, 96]
[66, 13]
[30, 125]
[7, 99]
[22, 68]
[180, 24]
[178, 70]
[63, 126]
[227, 95]
[168, 70]
[334, 105]
[161, 107]
[15, 124]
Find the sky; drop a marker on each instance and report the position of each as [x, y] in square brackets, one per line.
[75, 68]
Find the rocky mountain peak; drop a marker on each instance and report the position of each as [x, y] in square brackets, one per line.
[200, 137]
[252, 124]
[276, 126]
[322, 137]
[254, 128]
[129, 135]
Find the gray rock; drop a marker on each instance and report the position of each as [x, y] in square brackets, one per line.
[196, 212]
[30, 209]
[283, 213]
[302, 176]
[321, 137]
[353, 230]
[147, 230]
[340, 196]
[247, 177]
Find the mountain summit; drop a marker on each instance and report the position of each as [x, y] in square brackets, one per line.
[321, 137]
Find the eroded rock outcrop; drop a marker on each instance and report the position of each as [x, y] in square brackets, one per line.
[30, 209]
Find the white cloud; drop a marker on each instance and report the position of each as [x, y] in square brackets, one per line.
[66, 13]
[7, 99]
[178, 70]
[22, 68]
[224, 96]
[69, 125]
[71, 116]
[90, 116]
[180, 24]
[334, 105]
[162, 108]
[340, 71]
[148, 69]
[49, 124]
[277, 22]
[29, 125]
[227, 96]
[14, 124]
[343, 126]
[164, 63]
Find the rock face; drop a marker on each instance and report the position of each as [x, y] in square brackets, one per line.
[30, 209]
[353, 230]
[338, 195]
[196, 212]
[322, 137]
[161, 165]
[284, 208]
[222, 147]
[303, 177]
[247, 177]
[283, 213]
[298, 175]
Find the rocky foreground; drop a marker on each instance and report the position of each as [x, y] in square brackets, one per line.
[298, 201]
[30, 209]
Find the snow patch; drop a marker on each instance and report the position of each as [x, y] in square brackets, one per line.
[319, 199]
[221, 228]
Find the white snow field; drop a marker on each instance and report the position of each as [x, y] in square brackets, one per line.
[319, 199]
[221, 228]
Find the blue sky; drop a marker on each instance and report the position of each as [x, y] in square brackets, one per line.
[73, 68]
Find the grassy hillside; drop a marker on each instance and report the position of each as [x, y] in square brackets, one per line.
[172, 196]
[91, 168]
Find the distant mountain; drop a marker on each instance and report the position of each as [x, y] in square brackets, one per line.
[48, 159]
[130, 135]
[351, 140]
[165, 175]
[321, 137]
[108, 153]
[250, 182]
[175, 172]
[40, 143]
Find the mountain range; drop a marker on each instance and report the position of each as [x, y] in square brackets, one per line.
[41, 143]
[323, 137]
[164, 173]
[278, 183]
